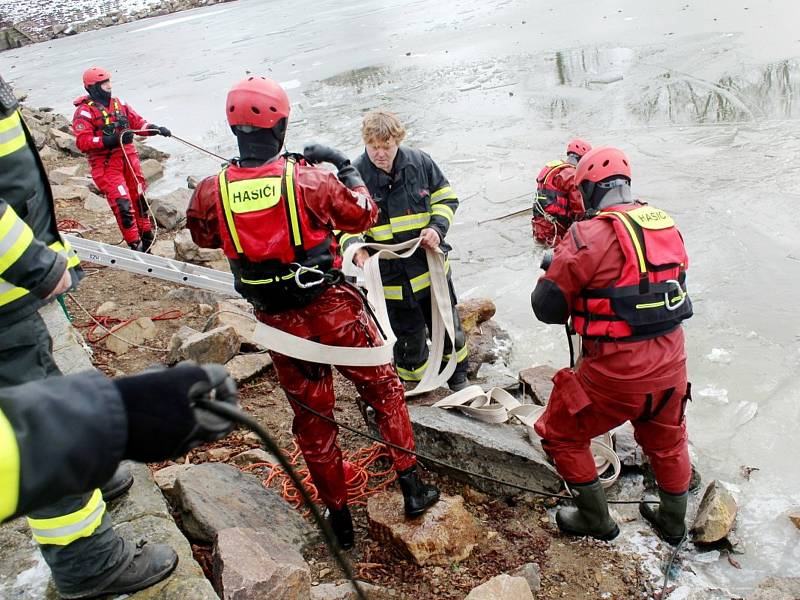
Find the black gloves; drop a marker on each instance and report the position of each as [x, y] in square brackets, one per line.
[163, 419]
[110, 141]
[316, 153]
[161, 130]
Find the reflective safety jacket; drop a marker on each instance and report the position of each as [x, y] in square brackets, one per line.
[92, 120]
[32, 254]
[416, 195]
[556, 192]
[649, 297]
[275, 224]
[58, 436]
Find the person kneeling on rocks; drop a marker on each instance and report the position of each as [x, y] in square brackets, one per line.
[621, 277]
[273, 215]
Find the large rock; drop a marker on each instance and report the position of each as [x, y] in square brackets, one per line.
[70, 351]
[237, 313]
[165, 479]
[475, 311]
[794, 517]
[345, 591]
[496, 375]
[152, 170]
[625, 445]
[254, 565]
[246, 367]
[445, 534]
[777, 588]
[189, 294]
[86, 182]
[218, 346]
[252, 457]
[716, 515]
[537, 383]
[212, 497]
[96, 204]
[502, 586]
[61, 175]
[126, 336]
[502, 451]
[170, 210]
[187, 251]
[65, 142]
[147, 152]
[488, 343]
[531, 573]
[69, 193]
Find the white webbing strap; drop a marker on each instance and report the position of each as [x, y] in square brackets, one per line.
[498, 406]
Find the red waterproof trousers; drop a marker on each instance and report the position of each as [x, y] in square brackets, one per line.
[122, 183]
[337, 318]
[578, 411]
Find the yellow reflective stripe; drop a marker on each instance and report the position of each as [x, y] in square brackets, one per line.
[15, 237]
[345, 238]
[223, 189]
[252, 195]
[60, 531]
[639, 253]
[380, 233]
[266, 281]
[290, 198]
[9, 469]
[12, 136]
[393, 292]
[660, 304]
[103, 111]
[444, 211]
[420, 282]
[64, 248]
[409, 222]
[10, 292]
[412, 375]
[442, 194]
[461, 354]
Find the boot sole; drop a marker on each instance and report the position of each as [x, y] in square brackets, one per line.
[423, 510]
[140, 585]
[116, 492]
[605, 537]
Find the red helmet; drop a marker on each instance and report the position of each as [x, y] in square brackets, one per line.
[94, 75]
[258, 102]
[579, 147]
[601, 163]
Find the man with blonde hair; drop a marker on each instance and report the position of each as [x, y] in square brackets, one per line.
[415, 201]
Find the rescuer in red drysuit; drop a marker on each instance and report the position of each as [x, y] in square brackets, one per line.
[274, 215]
[558, 202]
[620, 277]
[100, 123]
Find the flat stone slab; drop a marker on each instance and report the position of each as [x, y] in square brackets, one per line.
[502, 451]
[502, 586]
[70, 352]
[214, 496]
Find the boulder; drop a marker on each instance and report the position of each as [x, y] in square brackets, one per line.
[170, 210]
[502, 586]
[164, 249]
[147, 152]
[237, 313]
[186, 250]
[254, 565]
[537, 383]
[447, 533]
[246, 367]
[794, 517]
[531, 573]
[629, 452]
[252, 457]
[176, 341]
[213, 497]
[475, 311]
[96, 204]
[132, 334]
[106, 308]
[165, 479]
[488, 343]
[39, 139]
[715, 516]
[61, 175]
[218, 346]
[345, 591]
[502, 451]
[152, 170]
[70, 192]
[86, 182]
[47, 154]
[64, 141]
[777, 588]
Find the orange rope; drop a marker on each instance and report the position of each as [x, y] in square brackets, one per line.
[70, 226]
[362, 477]
[111, 322]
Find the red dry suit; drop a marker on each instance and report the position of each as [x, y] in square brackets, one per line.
[118, 176]
[557, 202]
[620, 276]
[283, 212]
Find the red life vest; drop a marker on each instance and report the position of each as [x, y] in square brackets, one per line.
[270, 236]
[552, 199]
[649, 299]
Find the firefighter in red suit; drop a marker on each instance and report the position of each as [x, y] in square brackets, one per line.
[273, 215]
[620, 277]
[100, 125]
[558, 202]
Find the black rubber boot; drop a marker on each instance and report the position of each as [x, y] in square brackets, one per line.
[458, 382]
[147, 241]
[668, 518]
[151, 563]
[137, 245]
[590, 515]
[418, 496]
[120, 482]
[342, 524]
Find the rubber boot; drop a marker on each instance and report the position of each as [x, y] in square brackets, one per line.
[151, 563]
[417, 496]
[342, 524]
[458, 382]
[668, 519]
[147, 241]
[137, 245]
[590, 515]
[120, 482]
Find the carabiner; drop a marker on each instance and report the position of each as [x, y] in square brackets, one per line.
[303, 269]
[683, 295]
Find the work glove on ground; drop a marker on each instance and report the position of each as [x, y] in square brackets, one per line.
[161, 130]
[316, 153]
[164, 420]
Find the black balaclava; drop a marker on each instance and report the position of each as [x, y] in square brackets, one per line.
[258, 145]
[97, 94]
[573, 158]
[609, 191]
